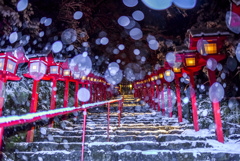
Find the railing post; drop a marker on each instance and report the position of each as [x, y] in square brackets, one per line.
[169, 99]
[153, 97]
[82, 103]
[194, 103]
[158, 101]
[216, 110]
[119, 110]
[162, 100]
[90, 89]
[53, 100]
[108, 123]
[105, 93]
[2, 93]
[76, 92]
[84, 130]
[33, 108]
[178, 99]
[65, 104]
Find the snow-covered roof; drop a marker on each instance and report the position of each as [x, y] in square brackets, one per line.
[36, 55]
[208, 32]
[183, 49]
[6, 50]
[237, 2]
[60, 60]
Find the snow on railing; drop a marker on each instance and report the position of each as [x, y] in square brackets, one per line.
[32, 117]
[6, 121]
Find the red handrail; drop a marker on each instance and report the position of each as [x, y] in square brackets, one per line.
[32, 117]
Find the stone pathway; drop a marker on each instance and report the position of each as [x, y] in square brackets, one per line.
[142, 136]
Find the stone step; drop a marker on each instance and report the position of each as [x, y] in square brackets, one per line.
[132, 122]
[129, 128]
[176, 155]
[173, 137]
[141, 133]
[94, 146]
[59, 155]
[115, 138]
[130, 155]
[97, 138]
[112, 131]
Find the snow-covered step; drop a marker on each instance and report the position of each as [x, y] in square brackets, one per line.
[173, 137]
[178, 155]
[97, 138]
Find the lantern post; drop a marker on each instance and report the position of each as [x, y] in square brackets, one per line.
[190, 62]
[178, 74]
[66, 77]
[38, 64]
[213, 42]
[9, 61]
[162, 94]
[54, 73]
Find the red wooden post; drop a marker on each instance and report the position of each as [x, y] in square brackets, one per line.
[153, 97]
[53, 100]
[76, 92]
[119, 115]
[169, 99]
[99, 93]
[83, 134]
[90, 100]
[2, 92]
[105, 93]
[178, 99]
[93, 93]
[194, 103]
[83, 85]
[102, 92]
[65, 104]
[33, 108]
[216, 110]
[108, 123]
[145, 94]
[158, 101]
[162, 97]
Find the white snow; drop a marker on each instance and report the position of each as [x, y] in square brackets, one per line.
[202, 132]
[42, 114]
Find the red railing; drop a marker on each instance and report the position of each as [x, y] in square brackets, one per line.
[32, 117]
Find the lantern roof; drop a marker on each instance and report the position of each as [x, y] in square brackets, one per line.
[36, 55]
[208, 32]
[183, 49]
[65, 65]
[17, 53]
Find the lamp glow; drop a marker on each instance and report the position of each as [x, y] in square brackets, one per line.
[190, 62]
[168, 73]
[66, 72]
[210, 48]
[177, 70]
[160, 75]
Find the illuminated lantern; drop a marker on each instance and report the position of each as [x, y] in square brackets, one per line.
[190, 67]
[9, 61]
[213, 38]
[190, 59]
[66, 77]
[161, 75]
[54, 73]
[215, 41]
[38, 64]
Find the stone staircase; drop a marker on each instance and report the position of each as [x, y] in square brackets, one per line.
[142, 136]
